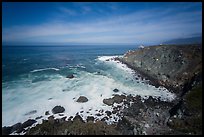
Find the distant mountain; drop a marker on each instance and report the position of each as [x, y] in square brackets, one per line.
[192, 40]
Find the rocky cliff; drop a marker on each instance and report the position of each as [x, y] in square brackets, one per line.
[178, 68]
[172, 66]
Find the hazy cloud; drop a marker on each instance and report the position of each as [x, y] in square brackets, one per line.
[153, 25]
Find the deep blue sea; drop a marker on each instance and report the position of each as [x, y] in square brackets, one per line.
[34, 80]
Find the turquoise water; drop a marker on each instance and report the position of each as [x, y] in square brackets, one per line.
[33, 74]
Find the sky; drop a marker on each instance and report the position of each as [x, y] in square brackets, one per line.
[99, 22]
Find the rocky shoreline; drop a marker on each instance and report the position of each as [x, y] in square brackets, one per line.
[134, 115]
[172, 66]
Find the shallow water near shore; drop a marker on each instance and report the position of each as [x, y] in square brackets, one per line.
[34, 78]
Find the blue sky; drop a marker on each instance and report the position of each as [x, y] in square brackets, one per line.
[99, 22]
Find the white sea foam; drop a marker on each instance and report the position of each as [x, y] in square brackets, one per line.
[25, 97]
[104, 58]
[37, 70]
[112, 61]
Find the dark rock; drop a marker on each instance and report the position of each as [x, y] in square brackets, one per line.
[98, 114]
[119, 98]
[31, 112]
[90, 118]
[115, 90]
[51, 119]
[104, 119]
[6, 130]
[114, 111]
[16, 127]
[78, 118]
[108, 102]
[44, 121]
[82, 99]
[125, 126]
[38, 117]
[70, 117]
[174, 110]
[108, 113]
[58, 109]
[47, 113]
[150, 101]
[51, 98]
[61, 120]
[70, 76]
[64, 118]
[28, 123]
[57, 121]
[115, 99]
[101, 111]
[20, 130]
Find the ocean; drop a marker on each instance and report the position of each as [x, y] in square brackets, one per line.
[34, 81]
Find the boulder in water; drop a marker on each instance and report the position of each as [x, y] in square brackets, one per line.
[115, 90]
[58, 109]
[82, 99]
[31, 112]
[108, 113]
[47, 113]
[108, 101]
[70, 76]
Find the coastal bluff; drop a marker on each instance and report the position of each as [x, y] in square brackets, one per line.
[176, 67]
[172, 66]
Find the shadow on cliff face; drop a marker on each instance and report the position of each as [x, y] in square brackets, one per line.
[172, 66]
[163, 65]
[186, 116]
[179, 69]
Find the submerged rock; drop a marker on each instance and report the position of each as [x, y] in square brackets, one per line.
[31, 112]
[108, 113]
[82, 99]
[47, 113]
[115, 90]
[38, 117]
[58, 109]
[70, 76]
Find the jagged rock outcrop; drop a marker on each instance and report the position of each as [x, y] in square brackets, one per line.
[178, 68]
[168, 65]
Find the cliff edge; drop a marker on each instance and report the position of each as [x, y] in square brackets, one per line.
[171, 66]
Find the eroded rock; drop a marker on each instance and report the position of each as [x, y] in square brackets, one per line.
[58, 109]
[82, 99]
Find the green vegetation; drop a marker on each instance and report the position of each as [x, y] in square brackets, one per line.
[190, 123]
[76, 127]
[194, 98]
